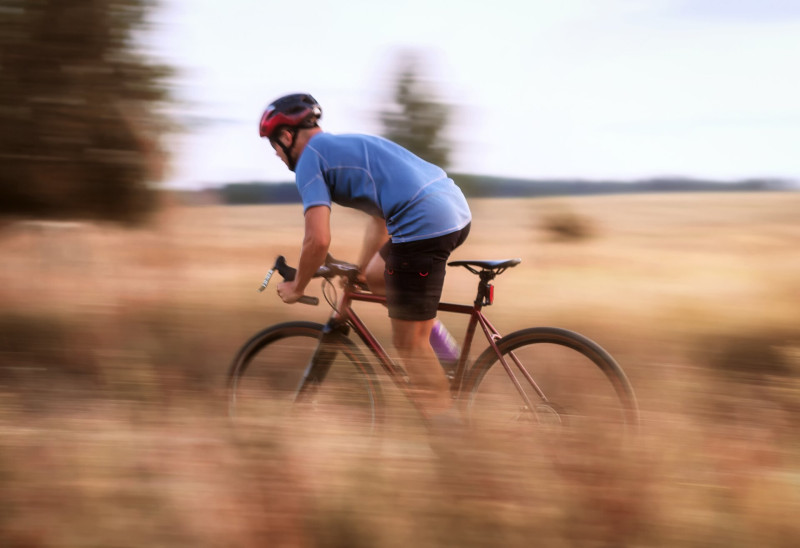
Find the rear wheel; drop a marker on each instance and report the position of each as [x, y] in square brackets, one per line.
[267, 374]
[568, 388]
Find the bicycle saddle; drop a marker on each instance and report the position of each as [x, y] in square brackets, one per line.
[497, 266]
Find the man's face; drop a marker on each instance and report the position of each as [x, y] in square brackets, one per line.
[284, 138]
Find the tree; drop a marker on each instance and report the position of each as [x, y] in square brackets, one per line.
[80, 105]
[415, 119]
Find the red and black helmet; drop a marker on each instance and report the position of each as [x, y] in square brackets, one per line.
[299, 110]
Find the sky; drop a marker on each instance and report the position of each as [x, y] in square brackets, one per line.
[590, 89]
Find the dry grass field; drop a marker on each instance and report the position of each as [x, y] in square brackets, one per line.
[114, 346]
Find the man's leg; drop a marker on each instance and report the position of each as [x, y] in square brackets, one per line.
[412, 341]
[374, 275]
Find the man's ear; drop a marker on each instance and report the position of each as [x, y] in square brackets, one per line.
[285, 137]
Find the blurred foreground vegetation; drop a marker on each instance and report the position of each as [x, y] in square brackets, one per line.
[114, 346]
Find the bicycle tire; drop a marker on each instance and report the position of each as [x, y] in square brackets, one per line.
[269, 369]
[577, 384]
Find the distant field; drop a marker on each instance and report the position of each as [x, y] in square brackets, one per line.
[114, 345]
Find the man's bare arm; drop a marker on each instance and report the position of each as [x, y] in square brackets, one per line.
[316, 241]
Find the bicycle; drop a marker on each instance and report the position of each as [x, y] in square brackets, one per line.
[539, 377]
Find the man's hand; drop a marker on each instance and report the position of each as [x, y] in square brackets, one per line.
[288, 293]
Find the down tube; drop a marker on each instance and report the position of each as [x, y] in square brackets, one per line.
[397, 374]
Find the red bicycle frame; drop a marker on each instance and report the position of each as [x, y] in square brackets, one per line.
[346, 314]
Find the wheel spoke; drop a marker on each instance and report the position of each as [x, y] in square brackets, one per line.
[573, 385]
[266, 375]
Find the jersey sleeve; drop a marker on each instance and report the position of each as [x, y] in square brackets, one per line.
[310, 180]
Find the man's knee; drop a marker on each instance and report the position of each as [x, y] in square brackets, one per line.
[374, 274]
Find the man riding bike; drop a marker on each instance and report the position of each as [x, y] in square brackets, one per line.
[418, 216]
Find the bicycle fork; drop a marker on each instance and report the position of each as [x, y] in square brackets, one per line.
[321, 361]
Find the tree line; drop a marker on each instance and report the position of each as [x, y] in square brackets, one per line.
[81, 111]
[478, 186]
[83, 118]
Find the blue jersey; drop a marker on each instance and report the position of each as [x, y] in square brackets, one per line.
[381, 178]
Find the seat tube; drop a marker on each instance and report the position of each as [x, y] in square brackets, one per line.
[461, 366]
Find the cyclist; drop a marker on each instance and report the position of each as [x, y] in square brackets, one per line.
[418, 216]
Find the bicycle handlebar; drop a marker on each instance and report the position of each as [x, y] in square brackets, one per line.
[288, 274]
[330, 269]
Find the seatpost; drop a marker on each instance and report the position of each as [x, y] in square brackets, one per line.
[485, 289]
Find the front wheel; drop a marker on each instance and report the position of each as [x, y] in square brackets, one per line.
[268, 381]
[565, 383]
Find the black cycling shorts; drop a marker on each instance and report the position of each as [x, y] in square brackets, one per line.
[415, 272]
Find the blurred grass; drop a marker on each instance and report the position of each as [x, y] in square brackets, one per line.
[114, 346]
